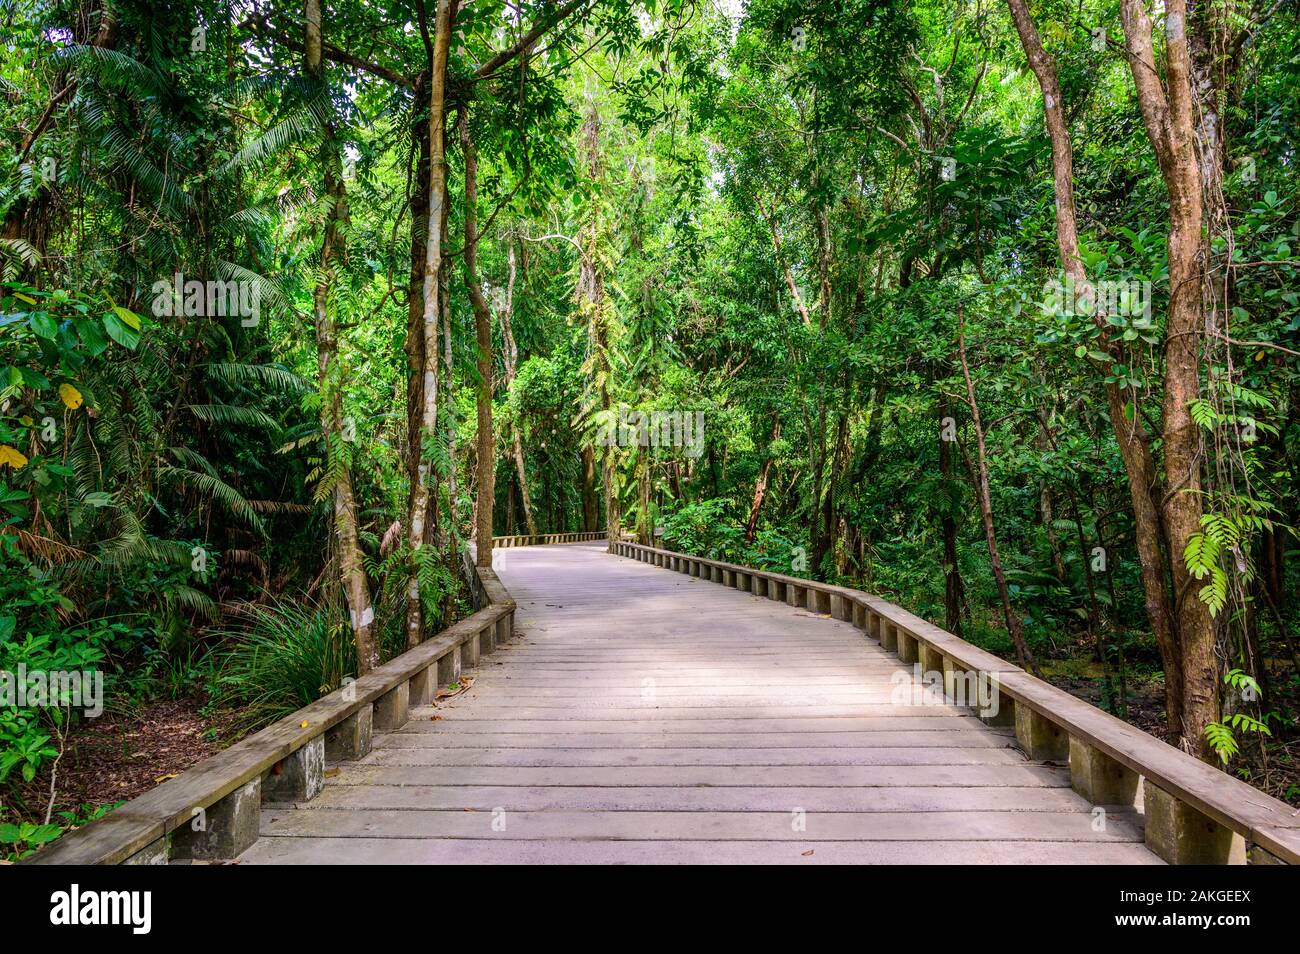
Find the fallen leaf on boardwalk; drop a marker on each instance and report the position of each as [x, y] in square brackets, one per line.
[434, 718]
[808, 852]
[456, 688]
[304, 724]
[331, 772]
[163, 778]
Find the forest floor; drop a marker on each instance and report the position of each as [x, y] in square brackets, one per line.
[123, 754]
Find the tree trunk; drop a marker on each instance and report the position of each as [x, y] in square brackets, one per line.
[510, 356]
[421, 492]
[337, 469]
[592, 304]
[644, 525]
[1167, 114]
[1145, 491]
[760, 485]
[954, 595]
[486, 443]
[590, 504]
[414, 345]
[1023, 655]
[447, 535]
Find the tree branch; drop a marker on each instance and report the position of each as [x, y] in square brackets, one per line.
[259, 25]
[528, 39]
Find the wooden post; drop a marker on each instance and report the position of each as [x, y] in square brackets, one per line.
[422, 689]
[931, 659]
[299, 776]
[222, 831]
[393, 707]
[449, 667]
[469, 653]
[888, 636]
[1002, 708]
[907, 648]
[1180, 834]
[1042, 739]
[351, 738]
[1098, 777]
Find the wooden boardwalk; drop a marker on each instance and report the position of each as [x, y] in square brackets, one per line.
[641, 715]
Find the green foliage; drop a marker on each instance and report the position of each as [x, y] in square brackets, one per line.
[1222, 736]
[18, 840]
[281, 657]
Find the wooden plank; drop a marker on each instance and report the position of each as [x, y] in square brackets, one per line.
[504, 851]
[716, 799]
[480, 710]
[975, 736]
[616, 755]
[450, 724]
[703, 825]
[1022, 774]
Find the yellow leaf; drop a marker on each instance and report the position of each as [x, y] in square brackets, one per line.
[163, 778]
[21, 297]
[71, 396]
[304, 724]
[11, 457]
[127, 316]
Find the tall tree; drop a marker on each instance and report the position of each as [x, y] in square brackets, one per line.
[337, 472]
[1167, 111]
[1130, 431]
[425, 451]
[486, 442]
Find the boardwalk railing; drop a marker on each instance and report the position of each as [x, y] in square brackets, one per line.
[211, 811]
[1193, 813]
[540, 539]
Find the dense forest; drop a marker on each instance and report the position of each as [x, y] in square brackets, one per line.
[988, 307]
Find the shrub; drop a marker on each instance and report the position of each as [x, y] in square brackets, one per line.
[283, 656]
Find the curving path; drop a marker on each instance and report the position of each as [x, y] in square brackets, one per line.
[641, 715]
